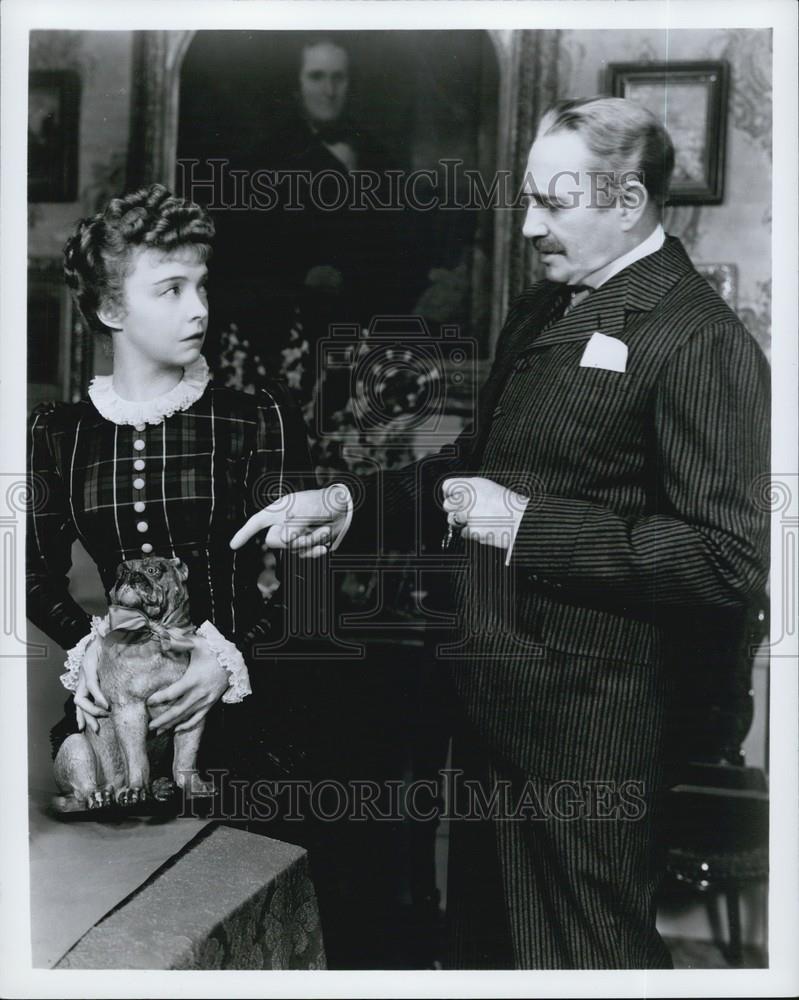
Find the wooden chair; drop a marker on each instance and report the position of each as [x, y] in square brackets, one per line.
[715, 816]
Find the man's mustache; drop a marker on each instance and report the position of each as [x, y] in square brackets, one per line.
[547, 246]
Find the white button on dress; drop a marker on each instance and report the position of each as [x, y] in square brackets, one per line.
[138, 484]
[142, 526]
[147, 548]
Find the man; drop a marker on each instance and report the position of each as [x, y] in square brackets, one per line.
[324, 81]
[336, 242]
[332, 256]
[629, 404]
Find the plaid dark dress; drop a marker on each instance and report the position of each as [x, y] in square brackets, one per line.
[198, 476]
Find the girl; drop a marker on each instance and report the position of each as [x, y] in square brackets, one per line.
[158, 460]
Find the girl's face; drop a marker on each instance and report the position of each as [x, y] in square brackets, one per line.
[165, 307]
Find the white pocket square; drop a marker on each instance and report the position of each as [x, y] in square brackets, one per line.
[605, 352]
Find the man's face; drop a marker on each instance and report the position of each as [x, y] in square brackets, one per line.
[571, 218]
[324, 82]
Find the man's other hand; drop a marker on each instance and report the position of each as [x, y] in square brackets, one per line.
[483, 510]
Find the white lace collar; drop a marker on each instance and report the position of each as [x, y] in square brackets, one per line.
[150, 411]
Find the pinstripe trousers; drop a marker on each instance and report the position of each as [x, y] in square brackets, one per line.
[561, 887]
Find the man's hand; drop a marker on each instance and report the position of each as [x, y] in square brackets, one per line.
[483, 510]
[90, 702]
[307, 522]
[190, 698]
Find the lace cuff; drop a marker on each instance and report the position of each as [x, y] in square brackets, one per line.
[75, 655]
[224, 650]
[231, 659]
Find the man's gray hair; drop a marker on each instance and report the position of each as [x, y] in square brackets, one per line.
[625, 138]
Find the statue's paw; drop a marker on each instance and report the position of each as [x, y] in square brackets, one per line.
[98, 799]
[163, 789]
[131, 796]
[123, 796]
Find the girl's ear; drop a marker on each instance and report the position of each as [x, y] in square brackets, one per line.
[110, 315]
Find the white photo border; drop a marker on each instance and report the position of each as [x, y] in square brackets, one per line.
[17, 978]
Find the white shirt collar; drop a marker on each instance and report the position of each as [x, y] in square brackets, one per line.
[653, 242]
[150, 411]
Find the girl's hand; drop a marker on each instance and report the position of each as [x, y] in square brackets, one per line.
[188, 700]
[90, 702]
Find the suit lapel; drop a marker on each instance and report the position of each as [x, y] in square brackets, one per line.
[532, 311]
[636, 289]
[611, 309]
[601, 310]
[537, 309]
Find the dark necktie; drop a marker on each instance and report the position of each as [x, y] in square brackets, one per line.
[569, 297]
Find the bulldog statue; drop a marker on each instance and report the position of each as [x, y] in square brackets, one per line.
[146, 647]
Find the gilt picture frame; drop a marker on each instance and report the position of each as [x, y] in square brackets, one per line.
[690, 98]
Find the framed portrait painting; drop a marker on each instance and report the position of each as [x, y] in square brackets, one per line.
[690, 98]
[53, 104]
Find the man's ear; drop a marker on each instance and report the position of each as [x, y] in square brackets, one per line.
[633, 202]
[110, 314]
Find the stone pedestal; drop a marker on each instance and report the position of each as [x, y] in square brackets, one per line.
[230, 900]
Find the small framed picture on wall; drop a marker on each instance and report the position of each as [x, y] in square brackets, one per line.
[690, 98]
[53, 109]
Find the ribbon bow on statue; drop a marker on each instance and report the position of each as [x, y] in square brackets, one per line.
[125, 623]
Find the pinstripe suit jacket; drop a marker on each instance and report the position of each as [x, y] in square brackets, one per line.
[643, 520]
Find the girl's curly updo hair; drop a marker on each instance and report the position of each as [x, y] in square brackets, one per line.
[97, 256]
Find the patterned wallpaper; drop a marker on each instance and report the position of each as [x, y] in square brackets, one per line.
[104, 65]
[737, 232]
[104, 69]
